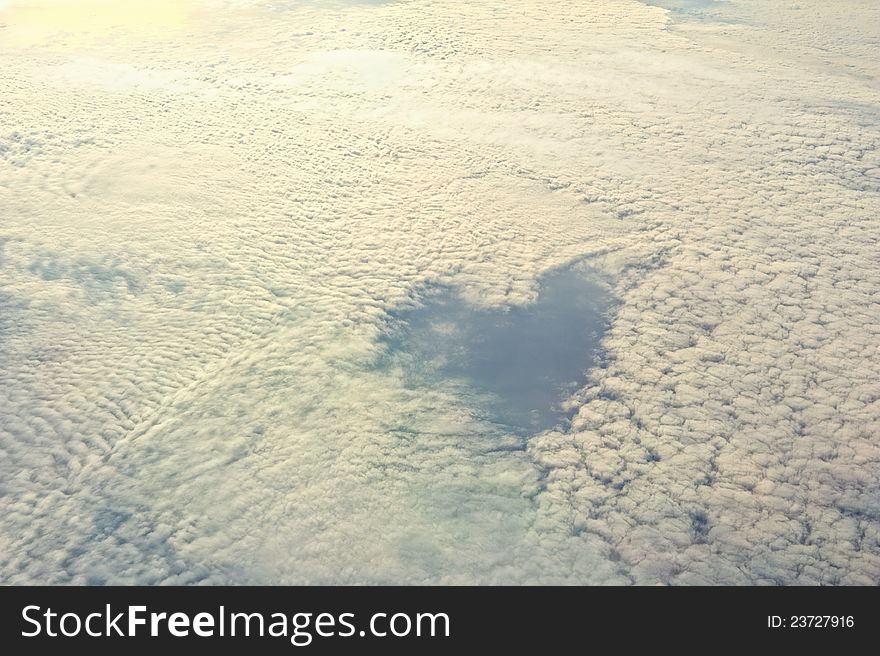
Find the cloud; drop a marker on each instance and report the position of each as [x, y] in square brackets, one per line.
[195, 284]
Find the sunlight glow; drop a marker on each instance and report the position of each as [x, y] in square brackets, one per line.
[79, 22]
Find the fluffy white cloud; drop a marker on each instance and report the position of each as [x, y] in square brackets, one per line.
[203, 233]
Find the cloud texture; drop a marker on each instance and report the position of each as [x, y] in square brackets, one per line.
[204, 229]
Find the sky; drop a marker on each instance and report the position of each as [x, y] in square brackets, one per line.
[211, 211]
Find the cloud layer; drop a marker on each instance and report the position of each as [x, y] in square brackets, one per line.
[203, 234]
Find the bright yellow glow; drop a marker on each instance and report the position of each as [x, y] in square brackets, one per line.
[74, 22]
